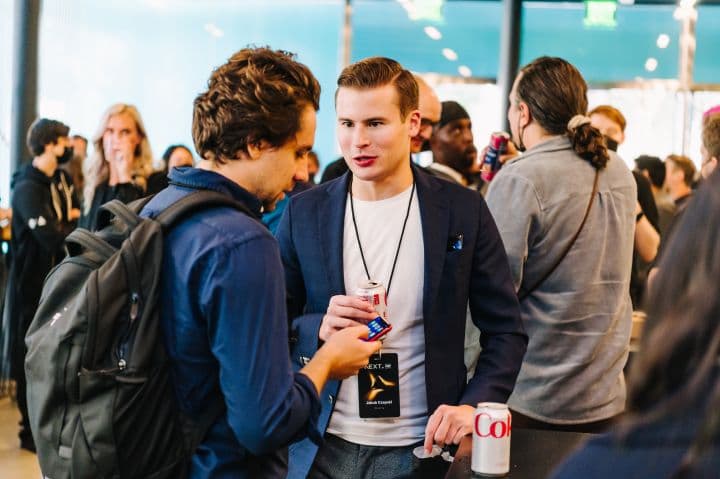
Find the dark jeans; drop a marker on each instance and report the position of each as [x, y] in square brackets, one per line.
[521, 421]
[338, 458]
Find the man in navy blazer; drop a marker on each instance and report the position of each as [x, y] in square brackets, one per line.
[435, 247]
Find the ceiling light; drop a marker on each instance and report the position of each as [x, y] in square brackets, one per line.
[433, 33]
[410, 8]
[663, 41]
[464, 71]
[450, 54]
[651, 64]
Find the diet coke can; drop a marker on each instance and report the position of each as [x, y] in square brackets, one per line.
[491, 440]
[374, 293]
[491, 162]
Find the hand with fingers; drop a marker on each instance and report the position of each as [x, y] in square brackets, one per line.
[349, 352]
[343, 355]
[448, 425]
[511, 152]
[343, 312]
[120, 156]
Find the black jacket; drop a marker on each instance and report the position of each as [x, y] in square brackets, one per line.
[125, 192]
[40, 205]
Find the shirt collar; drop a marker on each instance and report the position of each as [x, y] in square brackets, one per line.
[451, 172]
[555, 143]
[186, 176]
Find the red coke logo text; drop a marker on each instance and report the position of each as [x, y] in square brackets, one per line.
[489, 428]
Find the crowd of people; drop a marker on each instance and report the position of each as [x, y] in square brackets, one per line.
[520, 290]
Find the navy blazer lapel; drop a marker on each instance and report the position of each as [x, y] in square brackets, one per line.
[331, 226]
[435, 217]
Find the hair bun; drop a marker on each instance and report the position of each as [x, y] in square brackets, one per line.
[577, 121]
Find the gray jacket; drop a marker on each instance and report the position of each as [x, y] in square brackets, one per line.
[579, 318]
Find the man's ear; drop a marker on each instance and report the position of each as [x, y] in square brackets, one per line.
[525, 114]
[414, 122]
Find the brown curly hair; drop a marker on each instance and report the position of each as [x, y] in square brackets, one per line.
[555, 91]
[259, 94]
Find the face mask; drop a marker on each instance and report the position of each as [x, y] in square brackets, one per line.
[66, 156]
[521, 145]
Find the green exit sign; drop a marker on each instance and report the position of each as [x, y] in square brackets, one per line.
[600, 13]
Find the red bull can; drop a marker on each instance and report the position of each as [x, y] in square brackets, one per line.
[374, 293]
[491, 440]
[491, 162]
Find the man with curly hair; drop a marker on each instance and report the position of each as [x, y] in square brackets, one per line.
[223, 313]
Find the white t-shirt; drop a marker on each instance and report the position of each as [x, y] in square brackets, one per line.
[380, 224]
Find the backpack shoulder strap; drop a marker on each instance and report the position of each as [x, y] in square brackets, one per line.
[127, 213]
[87, 241]
[524, 293]
[197, 201]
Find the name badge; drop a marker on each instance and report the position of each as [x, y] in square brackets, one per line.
[379, 387]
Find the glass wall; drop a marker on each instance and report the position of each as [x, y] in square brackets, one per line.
[707, 32]
[459, 38]
[643, 43]
[158, 55]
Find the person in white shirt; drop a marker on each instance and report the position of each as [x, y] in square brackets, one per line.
[435, 248]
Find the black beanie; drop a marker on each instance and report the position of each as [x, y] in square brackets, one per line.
[451, 111]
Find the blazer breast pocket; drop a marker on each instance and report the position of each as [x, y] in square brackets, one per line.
[455, 242]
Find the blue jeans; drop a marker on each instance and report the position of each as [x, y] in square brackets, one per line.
[341, 459]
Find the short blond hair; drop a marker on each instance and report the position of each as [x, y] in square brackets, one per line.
[375, 72]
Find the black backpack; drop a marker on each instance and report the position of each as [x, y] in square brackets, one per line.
[100, 399]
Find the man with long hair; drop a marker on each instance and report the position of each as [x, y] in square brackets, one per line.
[565, 210]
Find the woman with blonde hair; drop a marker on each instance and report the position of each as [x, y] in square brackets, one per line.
[120, 164]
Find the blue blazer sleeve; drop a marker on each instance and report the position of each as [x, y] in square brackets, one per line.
[304, 328]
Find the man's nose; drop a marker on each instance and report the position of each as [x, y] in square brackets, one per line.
[360, 138]
[301, 170]
[468, 136]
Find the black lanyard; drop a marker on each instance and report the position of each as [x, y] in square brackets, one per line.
[402, 233]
